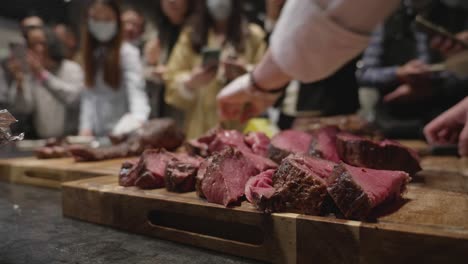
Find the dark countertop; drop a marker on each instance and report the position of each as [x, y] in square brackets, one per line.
[33, 230]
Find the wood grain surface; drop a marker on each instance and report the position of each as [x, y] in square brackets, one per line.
[429, 226]
[52, 172]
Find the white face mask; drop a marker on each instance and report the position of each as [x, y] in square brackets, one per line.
[102, 31]
[220, 10]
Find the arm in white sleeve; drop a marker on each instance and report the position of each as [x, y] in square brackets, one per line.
[87, 110]
[67, 88]
[133, 78]
[314, 38]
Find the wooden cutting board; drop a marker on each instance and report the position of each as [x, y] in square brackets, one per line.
[429, 226]
[52, 172]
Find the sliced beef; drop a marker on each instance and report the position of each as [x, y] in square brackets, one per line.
[356, 191]
[218, 139]
[324, 143]
[52, 152]
[195, 147]
[127, 174]
[258, 142]
[260, 162]
[385, 155]
[259, 189]
[54, 148]
[181, 172]
[300, 185]
[200, 175]
[235, 139]
[288, 142]
[85, 153]
[149, 172]
[199, 147]
[225, 177]
[157, 133]
[350, 123]
[226, 139]
[321, 168]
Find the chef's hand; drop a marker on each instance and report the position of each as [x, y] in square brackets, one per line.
[234, 69]
[240, 101]
[413, 71]
[450, 127]
[447, 46]
[201, 76]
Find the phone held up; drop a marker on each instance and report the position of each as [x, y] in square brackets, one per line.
[210, 57]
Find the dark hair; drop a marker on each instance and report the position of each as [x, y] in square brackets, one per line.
[136, 10]
[54, 46]
[168, 33]
[111, 69]
[201, 23]
[24, 29]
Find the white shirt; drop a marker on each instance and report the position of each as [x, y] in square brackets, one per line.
[314, 38]
[102, 106]
[54, 103]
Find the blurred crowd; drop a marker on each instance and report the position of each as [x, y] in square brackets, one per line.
[125, 68]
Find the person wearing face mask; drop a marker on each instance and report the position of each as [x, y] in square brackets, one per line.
[49, 86]
[170, 17]
[194, 83]
[113, 74]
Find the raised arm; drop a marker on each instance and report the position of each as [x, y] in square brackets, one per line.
[312, 39]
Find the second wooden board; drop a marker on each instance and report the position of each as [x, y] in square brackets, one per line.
[52, 172]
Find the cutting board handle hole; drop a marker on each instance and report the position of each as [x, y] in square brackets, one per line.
[41, 175]
[237, 232]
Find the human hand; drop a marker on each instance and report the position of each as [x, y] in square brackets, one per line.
[86, 133]
[35, 64]
[201, 76]
[413, 71]
[447, 46]
[233, 69]
[158, 72]
[13, 65]
[450, 127]
[407, 93]
[152, 52]
[240, 101]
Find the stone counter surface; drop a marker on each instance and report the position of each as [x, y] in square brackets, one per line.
[33, 230]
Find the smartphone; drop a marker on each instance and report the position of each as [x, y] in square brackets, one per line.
[210, 57]
[18, 50]
[436, 30]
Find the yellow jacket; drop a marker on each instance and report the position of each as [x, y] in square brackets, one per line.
[200, 106]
